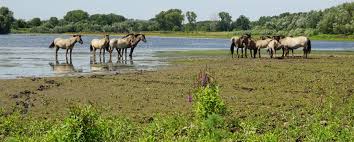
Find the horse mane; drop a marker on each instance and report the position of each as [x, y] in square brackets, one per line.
[247, 35]
[128, 35]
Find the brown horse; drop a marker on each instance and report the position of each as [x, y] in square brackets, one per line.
[136, 38]
[238, 42]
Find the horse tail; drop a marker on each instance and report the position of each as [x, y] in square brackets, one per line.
[308, 45]
[52, 45]
[91, 48]
[232, 47]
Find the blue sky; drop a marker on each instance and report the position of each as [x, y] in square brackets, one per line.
[146, 9]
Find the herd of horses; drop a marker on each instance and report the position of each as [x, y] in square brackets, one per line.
[272, 44]
[244, 42]
[105, 44]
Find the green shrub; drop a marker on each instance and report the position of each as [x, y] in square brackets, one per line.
[83, 124]
[165, 128]
[208, 101]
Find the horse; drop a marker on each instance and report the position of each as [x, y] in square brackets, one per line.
[120, 43]
[251, 45]
[295, 43]
[235, 42]
[263, 43]
[102, 44]
[273, 46]
[239, 43]
[136, 40]
[67, 44]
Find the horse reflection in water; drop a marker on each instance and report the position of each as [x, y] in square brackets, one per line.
[102, 67]
[65, 67]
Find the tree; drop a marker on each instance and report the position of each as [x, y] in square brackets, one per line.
[192, 19]
[19, 23]
[242, 23]
[35, 22]
[170, 20]
[76, 16]
[53, 21]
[225, 21]
[109, 19]
[6, 19]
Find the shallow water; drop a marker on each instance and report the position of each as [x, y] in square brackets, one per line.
[29, 55]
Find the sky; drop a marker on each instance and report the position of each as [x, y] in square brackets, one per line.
[146, 9]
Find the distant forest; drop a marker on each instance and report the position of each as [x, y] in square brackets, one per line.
[334, 20]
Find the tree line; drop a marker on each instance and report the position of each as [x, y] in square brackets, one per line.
[335, 20]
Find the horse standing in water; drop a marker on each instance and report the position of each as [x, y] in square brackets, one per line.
[120, 43]
[102, 44]
[291, 43]
[67, 44]
[135, 41]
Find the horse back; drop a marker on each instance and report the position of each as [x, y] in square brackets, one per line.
[295, 42]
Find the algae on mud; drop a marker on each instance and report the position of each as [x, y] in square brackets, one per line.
[289, 96]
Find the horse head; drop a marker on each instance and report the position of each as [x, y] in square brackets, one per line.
[277, 37]
[245, 40]
[141, 37]
[78, 38]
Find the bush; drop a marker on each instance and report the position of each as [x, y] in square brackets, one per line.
[207, 98]
[83, 124]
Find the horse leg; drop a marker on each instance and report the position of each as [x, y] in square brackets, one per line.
[245, 52]
[118, 52]
[66, 54]
[286, 52]
[56, 53]
[259, 53]
[292, 52]
[241, 52]
[126, 49]
[250, 52]
[71, 51]
[255, 53]
[237, 53]
[131, 51]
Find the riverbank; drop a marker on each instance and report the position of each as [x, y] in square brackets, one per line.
[208, 35]
[119, 91]
[290, 99]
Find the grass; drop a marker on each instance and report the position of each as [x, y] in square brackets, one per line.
[330, 37]
[268, 100]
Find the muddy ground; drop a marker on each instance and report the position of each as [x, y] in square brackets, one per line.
[273, 90]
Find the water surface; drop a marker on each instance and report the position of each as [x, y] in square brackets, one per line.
[29, 55]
